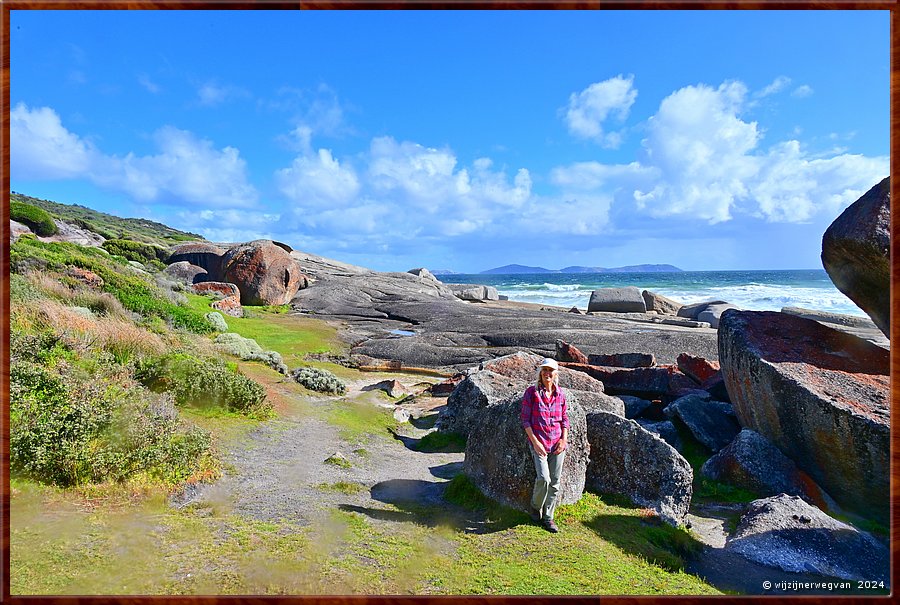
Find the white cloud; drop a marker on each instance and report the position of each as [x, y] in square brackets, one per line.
[187, 169]
[701, 161]
[211, 93]
[42, 148]
[145, 81]
[701, 149]
[318, 179]
[802, 91]
[589, 109]
[777, 85]
[229, 225]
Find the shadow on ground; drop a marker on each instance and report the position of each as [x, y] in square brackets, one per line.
[422, 502]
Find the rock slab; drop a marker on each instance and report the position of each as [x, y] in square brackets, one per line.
[820, 395]
[785, 532]
[626, 459]
[617, 300]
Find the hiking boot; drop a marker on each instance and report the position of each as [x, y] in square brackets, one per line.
[550, 526]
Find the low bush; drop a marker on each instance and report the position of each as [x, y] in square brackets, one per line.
[68, 430]
[318, 380]
[138, 251]
[249, 350]
[204, 383]
[37, 219]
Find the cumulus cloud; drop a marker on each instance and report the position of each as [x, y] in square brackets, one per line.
[318, 179]
[186, 169]
[230, 225]
[42, 148]
[590, 108]
[702, 161]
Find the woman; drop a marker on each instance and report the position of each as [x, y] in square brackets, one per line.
[546, 422]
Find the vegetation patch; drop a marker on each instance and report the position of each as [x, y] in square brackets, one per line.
[344, 487]
[359, 421]
[437, 441]
[204, 383]
[137, 251]
[318, 380]
[37, 219]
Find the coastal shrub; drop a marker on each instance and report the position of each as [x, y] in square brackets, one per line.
[37, 219]
[134, 291]
[249, 350]
[137, 251]
[21, 289]
[216, 320]
[318, 380]
[204, 383]
[70, 430]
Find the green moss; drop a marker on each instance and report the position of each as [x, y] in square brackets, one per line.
[437, 441]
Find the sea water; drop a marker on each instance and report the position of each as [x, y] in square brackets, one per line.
[752, 290]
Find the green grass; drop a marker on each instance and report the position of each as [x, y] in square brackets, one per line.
[441, 442]
[343, 487]
[290, 335]
[359, 421]
[704, 488]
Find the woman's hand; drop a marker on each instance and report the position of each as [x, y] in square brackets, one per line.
[560, 446]
[540, 449]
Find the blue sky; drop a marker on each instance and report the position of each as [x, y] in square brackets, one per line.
[710, 140]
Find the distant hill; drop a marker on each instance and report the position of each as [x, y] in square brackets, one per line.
[511, 269]
[109, 226]
[515, 269]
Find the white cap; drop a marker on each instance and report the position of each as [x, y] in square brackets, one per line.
[549, 363]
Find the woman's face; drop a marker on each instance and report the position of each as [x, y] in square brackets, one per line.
[547, 375]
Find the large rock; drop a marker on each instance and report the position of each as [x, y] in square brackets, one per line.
[712, 422]
[569, 352]
[186, 273]
[264, 272]
[692, 311]
[523, 367]
[626, 459]
[660, 304]
[713, 312]
[617, 300]
[620, 360]
[498, 457]
[785, 532]
[819, 395]
[856, 253]
[640, 382]
[474, 292]
[697, 368]
[478, 391]
[753, 463]
[202, 254]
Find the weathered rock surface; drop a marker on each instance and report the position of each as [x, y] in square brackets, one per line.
[523, 367]
[201, 254]
[665, 430]
[753, 463]
[697, 368]
[186, 273]
[617, 300]
[478, 391]
[856, 253]
[785, 532]
[640, 382]
[621, 360]
[713, 312]
[498, 457]
[692, 311]
[626, 459]
[569, 352]
[660, 304]
[821, 396]
[711, 422]
[264, 273]
[634, 406]
[216, 287]
[475, 292]
[863, 327]
[393, 388]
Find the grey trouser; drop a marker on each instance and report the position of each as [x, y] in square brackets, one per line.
[546, 485]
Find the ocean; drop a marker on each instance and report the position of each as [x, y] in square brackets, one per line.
[751, 290]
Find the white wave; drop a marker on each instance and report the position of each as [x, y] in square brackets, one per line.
[562, 287]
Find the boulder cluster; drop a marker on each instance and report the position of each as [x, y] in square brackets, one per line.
[261, 272]
[795, 410]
